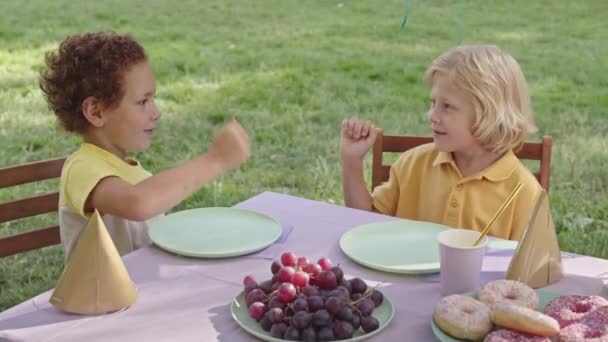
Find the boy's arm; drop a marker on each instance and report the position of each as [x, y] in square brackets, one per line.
[159, 193]
[357, 137]
[355, 190]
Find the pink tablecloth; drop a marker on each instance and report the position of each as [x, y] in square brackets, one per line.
[185, 299]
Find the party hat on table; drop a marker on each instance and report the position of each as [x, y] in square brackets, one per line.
[537, 261]
[94, 281]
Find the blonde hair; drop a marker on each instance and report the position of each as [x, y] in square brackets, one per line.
[498, 90]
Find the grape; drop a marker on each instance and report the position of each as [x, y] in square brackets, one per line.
[377, 297]
[338, 272]
[342, 294]
[300, 279]
[355, 296]
[366, 306]
[326, 334]
[301, 319]
[303, 261]
[309, 335]
[257, 310]
[315, 303]
[266, 286]
[276, 315]
[292, 334]
[276, 266]
[327, 280]
[289, 259]
[356, 322]
[343, 330]
[346, 284]
[325, 263]
[275, 286]
[266, 323]
[278, 330]
[249, 280]
[345, 314]
[276, 302]
[312, 269]
[287, 292]
[250, 287]
[358, 285]
[256, 295]
[333, 305]
[285, 274]
[321, 318]
[310, 291]
[369, 324]
[300, 304]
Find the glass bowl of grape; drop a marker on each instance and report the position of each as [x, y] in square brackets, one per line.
[310, 301]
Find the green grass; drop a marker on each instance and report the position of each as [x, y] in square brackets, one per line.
[290, 71]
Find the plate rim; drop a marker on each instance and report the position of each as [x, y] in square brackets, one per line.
[428, 270]
[435, 328]
[215, 254]
[269, 338]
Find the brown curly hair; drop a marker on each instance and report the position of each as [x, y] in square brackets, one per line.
[91, 64]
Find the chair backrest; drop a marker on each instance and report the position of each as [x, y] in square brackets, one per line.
[28, 207]
[540, 151]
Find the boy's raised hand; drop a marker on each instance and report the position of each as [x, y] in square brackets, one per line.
[357, 137]
[231, 145]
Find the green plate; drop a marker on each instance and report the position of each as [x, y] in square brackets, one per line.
[384, 313]
[402, 246]
[543, 298]
[214, 232]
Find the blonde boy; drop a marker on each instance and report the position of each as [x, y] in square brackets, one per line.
[479, 114]
[102, 87]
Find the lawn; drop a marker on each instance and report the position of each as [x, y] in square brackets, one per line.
[290, 71]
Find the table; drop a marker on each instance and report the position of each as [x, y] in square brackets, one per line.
[187, 299]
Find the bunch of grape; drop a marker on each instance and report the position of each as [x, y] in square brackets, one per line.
[307, 301]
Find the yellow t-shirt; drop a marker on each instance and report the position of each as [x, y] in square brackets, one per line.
[425, 185]
[79, 176]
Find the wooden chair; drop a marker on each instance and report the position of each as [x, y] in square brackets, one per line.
[28, 207]
[540, 151]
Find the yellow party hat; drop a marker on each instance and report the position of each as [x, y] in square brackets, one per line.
[537, 261]
[94, 281]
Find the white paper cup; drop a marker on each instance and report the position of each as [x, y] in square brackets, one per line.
[460, 262]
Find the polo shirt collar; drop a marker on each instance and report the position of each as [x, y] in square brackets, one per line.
[498, 171]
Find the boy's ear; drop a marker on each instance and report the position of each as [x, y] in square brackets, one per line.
[91, 109]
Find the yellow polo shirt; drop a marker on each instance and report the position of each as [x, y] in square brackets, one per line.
[425, 185]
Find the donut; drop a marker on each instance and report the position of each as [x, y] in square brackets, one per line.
[505, 335]
[510, 291]
[463, 317]
[591, 327]
[571, 308]
[524, 320]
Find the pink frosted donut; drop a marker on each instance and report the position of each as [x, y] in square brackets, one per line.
[570, 309]
[463, 317]
[505, 335]
[508, 291]
[592, 327]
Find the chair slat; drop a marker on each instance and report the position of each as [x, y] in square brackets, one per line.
[394, 143]
[27, 207]
[27, 241]
[30, 172]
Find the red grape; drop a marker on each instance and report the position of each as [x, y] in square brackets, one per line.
[325, 263]
[303, 261]
[300, 279]
[257, 310]
[289, 259]
[327, 280]
[312, 269]
[287, 292]
[285, 274]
